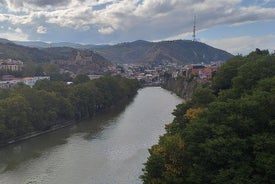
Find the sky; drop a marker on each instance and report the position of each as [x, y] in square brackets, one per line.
[237, 26]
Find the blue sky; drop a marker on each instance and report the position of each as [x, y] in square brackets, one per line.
[237, 26]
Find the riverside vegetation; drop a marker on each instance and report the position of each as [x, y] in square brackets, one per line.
[49, 104]
[225, 133]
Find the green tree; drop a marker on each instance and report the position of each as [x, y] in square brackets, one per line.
[228, 139]
[52, 103]
[81, 78]
[16, 115]
[223, 78]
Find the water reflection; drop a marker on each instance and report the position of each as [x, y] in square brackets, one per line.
[109, 148]
[14, 154]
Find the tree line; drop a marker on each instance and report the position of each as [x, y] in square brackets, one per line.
[225, 133]
[25, 110]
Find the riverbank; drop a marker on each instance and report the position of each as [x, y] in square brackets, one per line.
[108, 148]
[36, 133]
[27, 112]
[60, 125]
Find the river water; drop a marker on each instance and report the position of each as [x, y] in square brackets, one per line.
[108, 149]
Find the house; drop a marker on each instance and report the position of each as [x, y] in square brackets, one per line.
[201, 71]
[30, 81]
[11, 65]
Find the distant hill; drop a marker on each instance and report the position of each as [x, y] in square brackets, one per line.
[2, 40]
[10, 50]
[140, 51]
[179, 51]
[39, 44]
[75, 60]
[82, 61]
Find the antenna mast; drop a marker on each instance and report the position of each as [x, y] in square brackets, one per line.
[194, 29]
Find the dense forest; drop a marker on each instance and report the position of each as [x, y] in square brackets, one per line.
[225, 133]
[25, 110]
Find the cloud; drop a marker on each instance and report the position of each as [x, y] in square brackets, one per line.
[28, 5]
[41, 30]
[2, 2]
[75, 18]
[17, 19]
[243, 44]
[107, 30]
[14, 34]
[18, 30]
[133, 19]
[42, 3]
[125, 14]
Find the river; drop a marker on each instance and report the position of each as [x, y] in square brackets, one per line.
[108, 149]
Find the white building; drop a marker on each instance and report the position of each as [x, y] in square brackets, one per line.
[12, 65]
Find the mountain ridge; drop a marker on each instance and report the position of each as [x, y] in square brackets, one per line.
[141, 51]
[177, 51]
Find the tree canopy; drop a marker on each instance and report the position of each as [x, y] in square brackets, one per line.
[51, 103]
[226, 138]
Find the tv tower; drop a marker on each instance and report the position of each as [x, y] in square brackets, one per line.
[194, 29]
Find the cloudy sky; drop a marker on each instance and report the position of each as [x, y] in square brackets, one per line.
[237, 26]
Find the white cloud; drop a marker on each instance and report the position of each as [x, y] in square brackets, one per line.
[18, 30]
[243, 44]
[3, 17]
[41, 30]
[132, 19]
[125, 14]
[17, 19]
[74, 17]
[107, 30]
[14, 34]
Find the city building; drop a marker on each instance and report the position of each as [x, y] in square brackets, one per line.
[11, 65]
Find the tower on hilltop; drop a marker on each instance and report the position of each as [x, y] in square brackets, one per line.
[194, 29]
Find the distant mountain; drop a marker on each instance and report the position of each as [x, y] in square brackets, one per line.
[2, 40]
[36, 44]
[39, 44]
[132, 52]
[140, 51]
[178, 51]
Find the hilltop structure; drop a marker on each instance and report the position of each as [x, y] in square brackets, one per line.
[194, 29]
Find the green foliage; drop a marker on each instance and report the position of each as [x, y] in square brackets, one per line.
[231, 139]
[52, 103]
[15, 111]
[163, 166]
[203, 96]
[53, 71]
[81, 78]
[249, 73]
[223, 78]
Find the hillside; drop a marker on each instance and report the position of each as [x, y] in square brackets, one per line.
[10, 50]
[140, 51]
[74, 60]
[178, 51]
